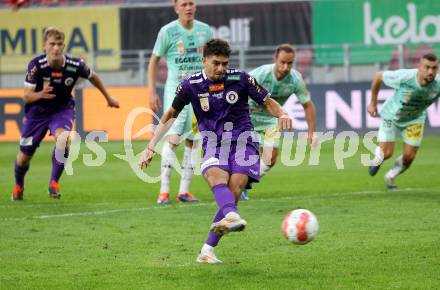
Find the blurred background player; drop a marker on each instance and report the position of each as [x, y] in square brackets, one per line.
[219, 98]
[49, 105]
[281, 80]
[403, 113]
[180, 43]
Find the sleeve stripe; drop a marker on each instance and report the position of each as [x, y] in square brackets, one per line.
[265, 98]
[26, 84]
[90, 75]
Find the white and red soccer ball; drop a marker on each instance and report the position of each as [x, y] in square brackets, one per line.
[300, 226]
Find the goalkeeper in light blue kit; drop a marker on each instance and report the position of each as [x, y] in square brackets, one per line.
[403, 113]
[281, 80]
[180, 42]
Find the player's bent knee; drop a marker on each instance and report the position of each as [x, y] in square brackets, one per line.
[174, 140]
[387, 153]
[23, 159]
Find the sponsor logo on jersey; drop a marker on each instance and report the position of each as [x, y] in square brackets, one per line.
[254, 172]
[178, 89]
[68, 82]
[190, 59]
[218, 95]
[31, 73]
[55, 74]
[71, 68]
[233, 77]
[231, 97]
[204, 103]
[251, 80]
[216, 88]
[191, 50]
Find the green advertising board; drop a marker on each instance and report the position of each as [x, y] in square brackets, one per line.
[373, 27]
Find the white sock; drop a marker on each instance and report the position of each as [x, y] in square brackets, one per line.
[398, 168]
[378, 157]
[187, 169]
[264, 168]
[166, 166]
[207, 249]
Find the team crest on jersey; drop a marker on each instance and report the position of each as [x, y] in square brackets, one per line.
[231, 97]
[68, 82]
[204, 103]
[433, 94]
[180, 47]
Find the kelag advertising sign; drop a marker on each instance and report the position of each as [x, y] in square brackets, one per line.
[375, 23]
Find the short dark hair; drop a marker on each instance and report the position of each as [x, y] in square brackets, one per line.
[288, 48]
[430, 56]
[216, 46]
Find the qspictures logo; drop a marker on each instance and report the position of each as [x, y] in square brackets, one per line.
[396, 29]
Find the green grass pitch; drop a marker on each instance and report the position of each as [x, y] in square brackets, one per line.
[106, 232]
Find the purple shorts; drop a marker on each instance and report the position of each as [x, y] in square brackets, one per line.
[238, 157]
[35, 129]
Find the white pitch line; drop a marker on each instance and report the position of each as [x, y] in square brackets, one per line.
[105, 212]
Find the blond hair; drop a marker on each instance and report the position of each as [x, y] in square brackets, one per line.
[53, 31]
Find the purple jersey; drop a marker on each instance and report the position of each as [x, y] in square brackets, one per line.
[62, 80]
[222, 105]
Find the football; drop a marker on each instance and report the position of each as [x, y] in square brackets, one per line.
[300, 226]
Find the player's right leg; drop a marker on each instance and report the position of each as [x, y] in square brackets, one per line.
[218, 180]
[32, 133]
[386, 138]
[412, 139]
[21, 166]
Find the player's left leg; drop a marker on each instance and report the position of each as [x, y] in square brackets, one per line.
[60, 127]
[386, 138]
[269, 153]
[190, 131]
[412, 137]
[60, 153]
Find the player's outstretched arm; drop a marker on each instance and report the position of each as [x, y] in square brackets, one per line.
[375, 87]
[97, 82]
[164, 125]
[275, 109]
[30, 96]
[309, 109]
[155, 103]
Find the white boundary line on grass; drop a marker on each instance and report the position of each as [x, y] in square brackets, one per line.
[105, 212]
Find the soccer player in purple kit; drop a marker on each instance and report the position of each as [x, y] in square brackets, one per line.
[219, 97]
[49, 105]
